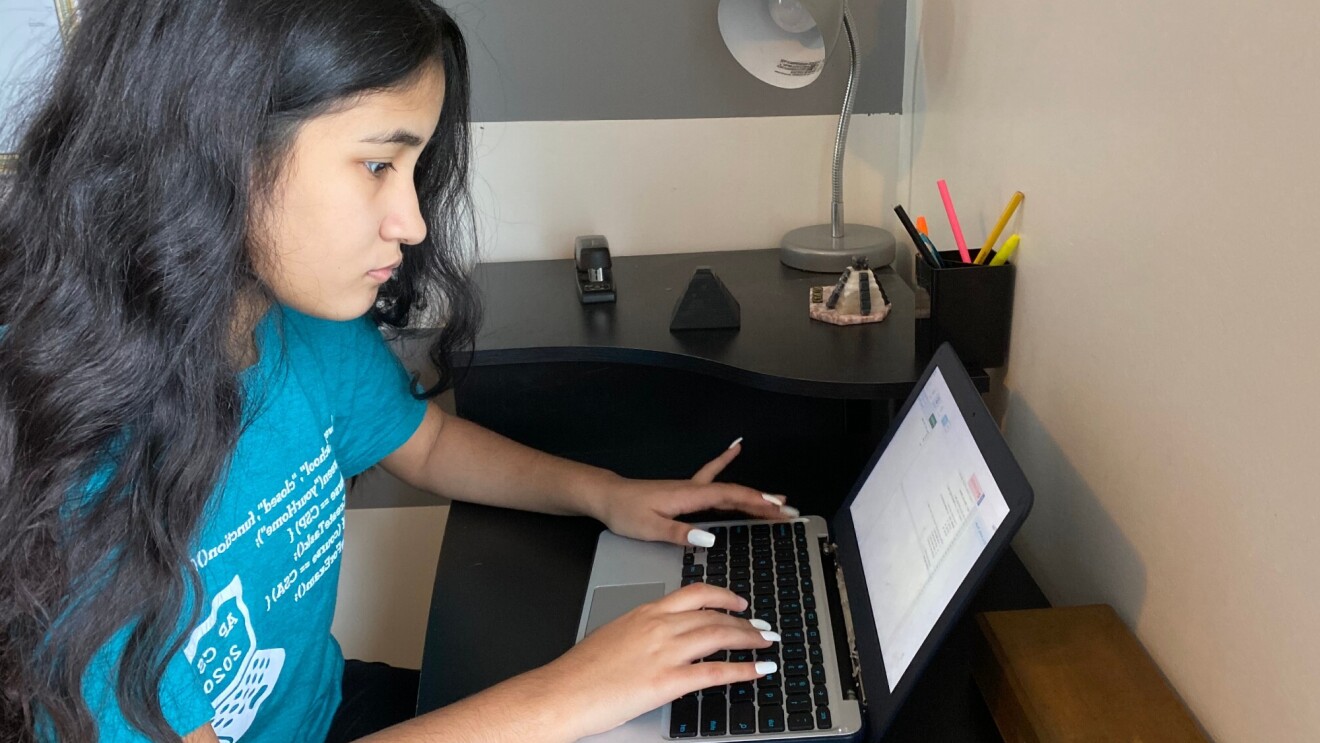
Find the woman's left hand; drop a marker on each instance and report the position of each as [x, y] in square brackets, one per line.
[647, 509]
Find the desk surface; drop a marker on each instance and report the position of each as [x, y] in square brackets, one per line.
[532, 315]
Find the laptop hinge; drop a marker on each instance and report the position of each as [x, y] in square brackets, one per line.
[830, 550]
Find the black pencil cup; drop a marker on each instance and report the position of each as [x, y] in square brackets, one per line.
[971, 307]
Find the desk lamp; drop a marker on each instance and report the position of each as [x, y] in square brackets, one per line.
[785, 43]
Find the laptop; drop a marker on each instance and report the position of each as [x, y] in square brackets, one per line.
[861, 601]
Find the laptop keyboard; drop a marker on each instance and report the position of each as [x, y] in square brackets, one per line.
[770, 566]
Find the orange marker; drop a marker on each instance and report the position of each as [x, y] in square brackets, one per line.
[921, 226]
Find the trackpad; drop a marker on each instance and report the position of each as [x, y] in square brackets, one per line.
[611, 602]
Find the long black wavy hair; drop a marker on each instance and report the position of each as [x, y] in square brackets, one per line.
[126, 243]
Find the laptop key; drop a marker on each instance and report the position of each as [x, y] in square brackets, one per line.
[790, 607]
[799, 528]
[761, 589]
[717, 569]
[809, 600]
[690, 581]
[811, 618]
[765, 602]
[742, 692]
[719, 656]
[721, 536]
[770, 720]
[742, 718]
[769, 695]
[718, 580]
[768, 616]
[791, 621]
[740, 585]
[764, 575]
[823, 718]
[714, 714]
[796, 668]
[801, 720]
[821, 694]
[817, 674]
[683, 718]
[815, 655]
[788, 594]
[813, 636]
[799, 703]
[688, 557]
[797, 685]
[770, 679]
[791, 636]
[795, 652]
[693, 571]
[741, 656]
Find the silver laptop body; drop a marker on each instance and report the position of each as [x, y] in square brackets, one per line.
[627, 573]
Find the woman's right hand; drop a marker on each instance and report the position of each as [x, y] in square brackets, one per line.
[645, 658]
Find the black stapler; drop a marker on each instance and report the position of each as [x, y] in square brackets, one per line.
[595, 282]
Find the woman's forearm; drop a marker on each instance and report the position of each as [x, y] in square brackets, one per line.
[463, 461]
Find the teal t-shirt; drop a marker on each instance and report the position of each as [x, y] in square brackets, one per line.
[325, 401]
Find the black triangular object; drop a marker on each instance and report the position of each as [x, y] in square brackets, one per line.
[706, 304]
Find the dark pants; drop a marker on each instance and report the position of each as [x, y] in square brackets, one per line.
[376, 696]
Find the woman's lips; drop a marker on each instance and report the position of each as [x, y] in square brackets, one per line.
[382, 275]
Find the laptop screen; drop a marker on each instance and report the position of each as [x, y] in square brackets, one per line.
[922, 518]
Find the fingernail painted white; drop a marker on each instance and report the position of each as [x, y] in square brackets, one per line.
[701, 538]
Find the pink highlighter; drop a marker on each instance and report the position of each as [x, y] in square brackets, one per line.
[953, 222]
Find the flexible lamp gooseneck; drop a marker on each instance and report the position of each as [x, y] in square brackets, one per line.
[785, 43]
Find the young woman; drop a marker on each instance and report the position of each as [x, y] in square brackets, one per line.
[218, 206]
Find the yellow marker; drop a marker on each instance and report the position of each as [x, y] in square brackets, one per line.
[994, 234]
[921, 226]
[1009, 246]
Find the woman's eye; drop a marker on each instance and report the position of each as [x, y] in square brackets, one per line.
[377, 168]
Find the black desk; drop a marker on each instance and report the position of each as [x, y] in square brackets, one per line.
[609, 385]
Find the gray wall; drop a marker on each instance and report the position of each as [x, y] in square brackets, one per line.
[572, 60]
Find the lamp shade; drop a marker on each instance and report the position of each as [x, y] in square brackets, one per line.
[781, 42]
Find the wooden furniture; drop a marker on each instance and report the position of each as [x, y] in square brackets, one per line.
[1075, 674]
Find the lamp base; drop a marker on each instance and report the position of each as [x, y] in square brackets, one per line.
[816, 249]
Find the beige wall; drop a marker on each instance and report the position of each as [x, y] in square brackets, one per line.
[388, 569]
[1163, 388]
[674, 185]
